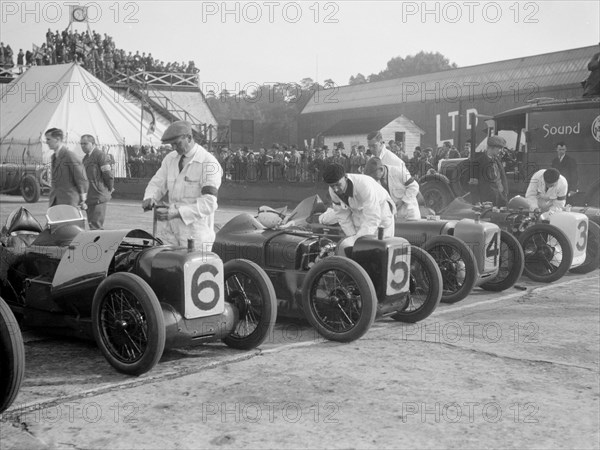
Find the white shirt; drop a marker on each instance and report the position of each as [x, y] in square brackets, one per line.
[552, 198]
[404, 195]
[369, 208]
[391, 159]
[193, 192]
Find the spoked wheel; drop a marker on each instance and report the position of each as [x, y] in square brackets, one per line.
[511, 264]
[339, 299]
[249, 289]
[436, 195]
[12, 357]
[128, 323]
[457, 265]
[425, 287]
[592, 251]
[30, 189]
[548, 252]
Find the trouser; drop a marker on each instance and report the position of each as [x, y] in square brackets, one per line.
[96, 214]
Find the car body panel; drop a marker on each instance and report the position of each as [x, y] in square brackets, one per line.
[573, 225]
[287, 255]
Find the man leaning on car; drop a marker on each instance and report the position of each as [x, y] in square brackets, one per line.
[191, 178]
[361, 205]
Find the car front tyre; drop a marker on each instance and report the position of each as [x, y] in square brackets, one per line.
[425, 287]
[339, 299]
[12, 357]
[30, 189]
[249, 289]
[128, 323]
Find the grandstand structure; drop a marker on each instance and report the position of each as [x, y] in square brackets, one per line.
[165, 96]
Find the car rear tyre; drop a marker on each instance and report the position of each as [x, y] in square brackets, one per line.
[592, 251]
[425, 287]
[249, 289]
[339, 299]
[128, 323]
[12, 357]
[436, 195]
[511, 265]
[30, 189]
[457, 265]
[548, 252]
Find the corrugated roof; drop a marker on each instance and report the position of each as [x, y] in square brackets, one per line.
[359, 126]
[519, 75]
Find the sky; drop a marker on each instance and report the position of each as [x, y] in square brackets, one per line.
[237, 45]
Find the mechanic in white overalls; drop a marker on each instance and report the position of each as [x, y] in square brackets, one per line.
[400, 184]
[547, 190]
[191, 177]
[360, 203]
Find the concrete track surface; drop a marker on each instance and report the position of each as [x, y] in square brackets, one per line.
[517, 369]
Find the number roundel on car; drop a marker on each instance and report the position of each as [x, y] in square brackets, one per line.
[204, 288]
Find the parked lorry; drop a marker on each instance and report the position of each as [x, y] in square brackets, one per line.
[532, 133]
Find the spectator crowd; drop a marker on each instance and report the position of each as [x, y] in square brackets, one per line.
[96, 53]
[283, 163]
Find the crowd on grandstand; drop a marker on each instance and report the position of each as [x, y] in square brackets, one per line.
[96, 53]
[283, 163]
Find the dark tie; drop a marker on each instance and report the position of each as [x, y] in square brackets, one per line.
[181, 162]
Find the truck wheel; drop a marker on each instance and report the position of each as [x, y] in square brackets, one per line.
[436, 194]
[512, 263]
[251, 291]
[457, 265]
[12, 357]
[592, 251]
[339, 299]
[425, 287]
[548, 252]
[128, 323]
[30, 189]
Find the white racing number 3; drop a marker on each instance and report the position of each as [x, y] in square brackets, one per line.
[581, 243]
[398, 270]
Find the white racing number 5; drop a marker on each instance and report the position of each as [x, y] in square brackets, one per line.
[398, 270]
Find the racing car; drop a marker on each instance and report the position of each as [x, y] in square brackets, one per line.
[339, 294]
[468, 252]
[12, 357]
[552, 243]
[127, 291]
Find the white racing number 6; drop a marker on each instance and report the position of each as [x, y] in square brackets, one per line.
[198, 288]
[398, 271]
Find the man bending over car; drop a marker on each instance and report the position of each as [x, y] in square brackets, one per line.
[547, 190]
[360, 203]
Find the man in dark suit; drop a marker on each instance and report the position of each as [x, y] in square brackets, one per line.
[567, 167]
[69, 182]
[487, 179]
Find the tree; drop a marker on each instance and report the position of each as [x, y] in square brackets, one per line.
[418, 64]
[358, 79]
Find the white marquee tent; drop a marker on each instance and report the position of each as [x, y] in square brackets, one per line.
[68, 97]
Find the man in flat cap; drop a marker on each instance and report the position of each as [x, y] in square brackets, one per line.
[377, 147]
[547, 190]
[485, 174]
[401, 186]
[191, 178]
[361, 205]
